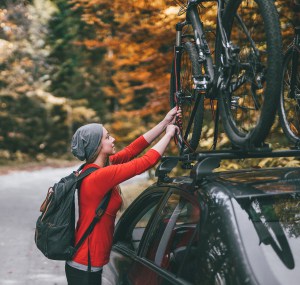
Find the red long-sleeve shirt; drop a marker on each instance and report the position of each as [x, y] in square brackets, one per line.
[92, 191]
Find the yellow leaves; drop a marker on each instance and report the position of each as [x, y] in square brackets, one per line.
[208, 104]
[266, 161]
[139, 37]
[293, 163]
[173, 10]
[279, 162]
[127, 130]
[82, 114]
[23, 89]
[258, 163]
[228, 165]
[6, 50]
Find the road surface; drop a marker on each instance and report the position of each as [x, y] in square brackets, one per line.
[21, 196]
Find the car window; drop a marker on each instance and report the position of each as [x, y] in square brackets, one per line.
[174, 235]
[132, 225]
[270, 226]
[139, 229]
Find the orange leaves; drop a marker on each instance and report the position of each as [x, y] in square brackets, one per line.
[90, 44]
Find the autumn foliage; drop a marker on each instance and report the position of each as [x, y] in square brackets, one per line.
[86, 61]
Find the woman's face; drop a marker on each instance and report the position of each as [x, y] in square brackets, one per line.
[107, 143]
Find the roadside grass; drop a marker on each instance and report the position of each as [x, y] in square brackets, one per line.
[7, 166]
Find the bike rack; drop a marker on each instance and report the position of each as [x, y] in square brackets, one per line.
[207, 161]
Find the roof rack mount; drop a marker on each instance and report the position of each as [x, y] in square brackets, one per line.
[207, 161]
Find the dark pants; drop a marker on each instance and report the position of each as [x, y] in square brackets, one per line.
[80, 277]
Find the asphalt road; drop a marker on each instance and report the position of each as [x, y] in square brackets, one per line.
[21, 196]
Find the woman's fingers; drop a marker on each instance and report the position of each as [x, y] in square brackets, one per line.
[172, 130]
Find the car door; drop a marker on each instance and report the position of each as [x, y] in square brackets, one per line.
[167, 254]
[128, 235]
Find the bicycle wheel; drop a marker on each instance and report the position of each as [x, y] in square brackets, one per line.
[289, 106]
[188, 98]
[251, 84]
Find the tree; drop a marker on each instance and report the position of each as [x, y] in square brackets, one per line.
[94, 60]
[21, 67]
[76, 70]
[32, 121]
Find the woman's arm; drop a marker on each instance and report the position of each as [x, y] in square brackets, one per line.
[141, 143]
[161, 146]
[130, 151]
[156, 131]
[113, 175]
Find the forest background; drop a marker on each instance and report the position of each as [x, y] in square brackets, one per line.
[64, 63]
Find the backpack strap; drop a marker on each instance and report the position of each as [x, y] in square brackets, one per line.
[85, 173]
[99, 213]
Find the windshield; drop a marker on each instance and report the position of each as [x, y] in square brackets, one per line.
[270, 230]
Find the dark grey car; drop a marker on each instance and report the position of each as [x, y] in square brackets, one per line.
[239, 227]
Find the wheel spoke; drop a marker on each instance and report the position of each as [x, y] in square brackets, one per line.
[291, 103]
[246, 82]
[191, 105]
[251, 68]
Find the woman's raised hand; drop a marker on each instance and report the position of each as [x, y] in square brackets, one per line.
[156, 131]
[162, 144]
[171, 130]
[171, 116]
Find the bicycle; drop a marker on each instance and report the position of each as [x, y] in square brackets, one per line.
[244, 78]
[289, 106]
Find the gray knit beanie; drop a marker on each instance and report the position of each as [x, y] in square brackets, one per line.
[86, 140]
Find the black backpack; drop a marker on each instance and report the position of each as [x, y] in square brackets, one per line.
[55, 227]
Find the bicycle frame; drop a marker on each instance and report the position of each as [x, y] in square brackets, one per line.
[193, 18]
[204, 83]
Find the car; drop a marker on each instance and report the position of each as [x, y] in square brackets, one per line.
[231, 227]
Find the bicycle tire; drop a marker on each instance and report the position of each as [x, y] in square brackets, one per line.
[188, 63]
[248, 132]
[289, 108]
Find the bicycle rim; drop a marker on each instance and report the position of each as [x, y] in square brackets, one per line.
[289, 111]
[252, 86]
[188, 68]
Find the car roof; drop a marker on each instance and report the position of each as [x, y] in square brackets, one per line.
[260, 182]
[249, 182]
[237, 183]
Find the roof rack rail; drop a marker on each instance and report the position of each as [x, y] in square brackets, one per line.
[241, 154]
[207, 161]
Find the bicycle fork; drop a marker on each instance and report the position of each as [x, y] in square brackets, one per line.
[203, 82]
[179, 95]
[204, 55]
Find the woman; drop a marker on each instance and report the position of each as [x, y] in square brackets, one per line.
[94, 144]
